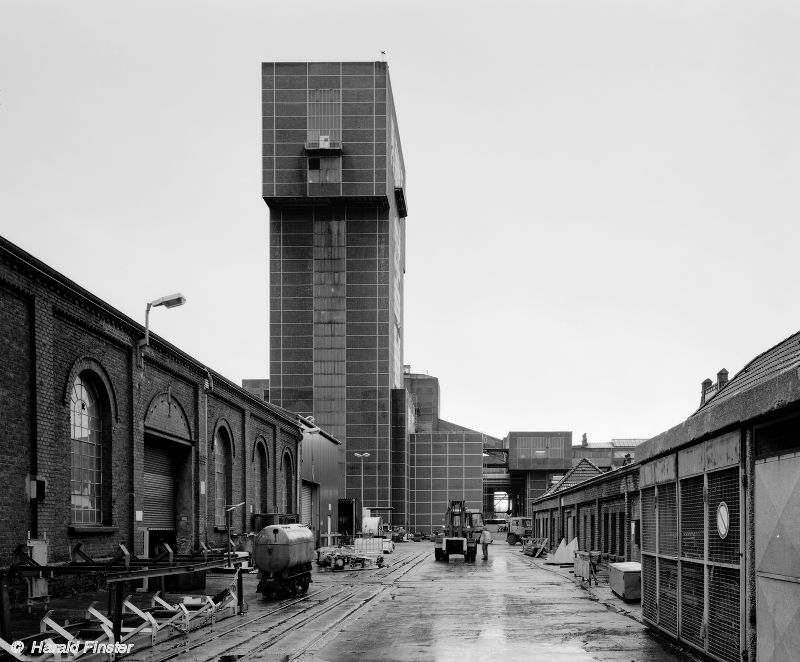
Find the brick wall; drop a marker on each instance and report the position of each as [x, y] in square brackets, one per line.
[16, 418]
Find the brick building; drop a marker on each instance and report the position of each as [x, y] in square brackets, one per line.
[105, 442]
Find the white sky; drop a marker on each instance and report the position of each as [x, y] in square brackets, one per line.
[603, 196]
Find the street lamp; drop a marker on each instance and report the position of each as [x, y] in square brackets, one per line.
[170, 301]
[361, 457]
[228, 514]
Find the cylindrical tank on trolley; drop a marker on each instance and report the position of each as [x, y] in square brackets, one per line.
[283, 554]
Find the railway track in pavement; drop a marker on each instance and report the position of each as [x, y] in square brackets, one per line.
[294, 626]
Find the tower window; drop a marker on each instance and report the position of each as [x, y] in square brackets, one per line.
[324, 169]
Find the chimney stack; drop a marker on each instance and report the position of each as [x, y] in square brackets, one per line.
[722, 378]
[584, 441]
[703, 388]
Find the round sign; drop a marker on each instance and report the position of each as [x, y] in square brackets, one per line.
[723, 520]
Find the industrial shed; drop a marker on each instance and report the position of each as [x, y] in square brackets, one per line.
[720, 495]
[599, 509]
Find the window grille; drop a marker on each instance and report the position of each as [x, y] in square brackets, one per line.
[649, 600]
[723, 486]
[649, 519]
[668, 595]
[692, 518]
[222, 477]
[87, 454]
[723, 617]
[324, 119]
[667, 520]
[693, 602]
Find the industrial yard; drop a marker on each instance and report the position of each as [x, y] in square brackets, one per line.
[512, 607]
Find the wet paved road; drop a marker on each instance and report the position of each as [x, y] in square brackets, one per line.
[508, 608]
[415, 609]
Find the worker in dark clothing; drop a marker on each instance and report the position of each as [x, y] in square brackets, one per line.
[485, 540]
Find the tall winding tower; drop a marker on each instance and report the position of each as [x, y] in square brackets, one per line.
[334, 180]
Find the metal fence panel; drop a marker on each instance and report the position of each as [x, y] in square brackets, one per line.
[692, 518]
[649, 519]
[723, 487]
[693, 602]
[667, 519]
[649, 602]
[723, 613]
[668, 595]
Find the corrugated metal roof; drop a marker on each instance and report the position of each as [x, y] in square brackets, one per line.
[584, 470]
[784, 356]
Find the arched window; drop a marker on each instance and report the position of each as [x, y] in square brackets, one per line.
[223, 485]
[260, 479]
[288, 476]
[86, 430]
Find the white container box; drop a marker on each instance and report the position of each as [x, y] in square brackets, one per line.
[625, 579]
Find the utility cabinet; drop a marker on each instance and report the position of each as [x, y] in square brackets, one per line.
[625, 579]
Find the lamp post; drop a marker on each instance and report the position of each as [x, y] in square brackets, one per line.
[228, 514]
[361, 457]
[169, 301]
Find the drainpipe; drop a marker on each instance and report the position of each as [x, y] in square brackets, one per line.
[208, 386]
[749, 474]
[299, 478]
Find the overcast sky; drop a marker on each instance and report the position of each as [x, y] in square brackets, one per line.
[603, 196]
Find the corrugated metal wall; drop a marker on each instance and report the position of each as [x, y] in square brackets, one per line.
[159, 488]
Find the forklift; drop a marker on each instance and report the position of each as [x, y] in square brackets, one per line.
[462, 530]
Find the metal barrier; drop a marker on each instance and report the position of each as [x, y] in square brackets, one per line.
[112, 631]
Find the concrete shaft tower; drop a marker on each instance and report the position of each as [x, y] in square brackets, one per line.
[334, 180]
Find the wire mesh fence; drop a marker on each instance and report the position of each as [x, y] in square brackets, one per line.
[692, 518]
[693, 603]
[649, 601]
[649, 519]
[667, 519]
[668, 595]
[723, 488]
[723, 613]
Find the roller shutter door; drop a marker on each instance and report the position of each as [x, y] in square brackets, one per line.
[159, 489]
[305, 505]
